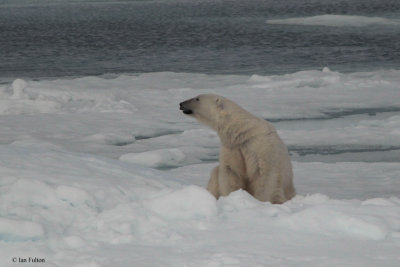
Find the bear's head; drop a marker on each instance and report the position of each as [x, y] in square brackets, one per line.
[205, 108]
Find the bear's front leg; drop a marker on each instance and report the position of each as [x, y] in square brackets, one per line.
[212, 186]
[228, 180]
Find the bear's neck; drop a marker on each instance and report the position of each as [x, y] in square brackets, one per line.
[235, 131]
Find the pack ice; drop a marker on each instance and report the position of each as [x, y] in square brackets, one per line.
[107, 172]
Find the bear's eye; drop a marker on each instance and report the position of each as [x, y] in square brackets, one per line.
[197, 99]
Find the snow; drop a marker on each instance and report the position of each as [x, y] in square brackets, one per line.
[337, 21]
[198, 203]
[108, 172]
[156, 158]
[18, 230]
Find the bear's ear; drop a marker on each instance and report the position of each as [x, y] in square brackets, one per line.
[219, 103]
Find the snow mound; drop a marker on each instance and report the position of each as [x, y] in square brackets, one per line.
[337, 21]
[18, 87]
[162, 158]
[76, 96]
[191, 202]
[327, 220]
[237, 201]
[20, 230]
[74, 196]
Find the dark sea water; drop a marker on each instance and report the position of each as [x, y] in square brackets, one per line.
[50, 38]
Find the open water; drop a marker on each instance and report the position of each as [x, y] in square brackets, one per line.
[46, 38]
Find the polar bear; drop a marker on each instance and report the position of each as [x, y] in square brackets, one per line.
[252, 155]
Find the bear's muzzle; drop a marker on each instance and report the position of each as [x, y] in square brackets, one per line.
[184, 107]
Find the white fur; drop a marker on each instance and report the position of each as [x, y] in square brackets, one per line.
[252, 155]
